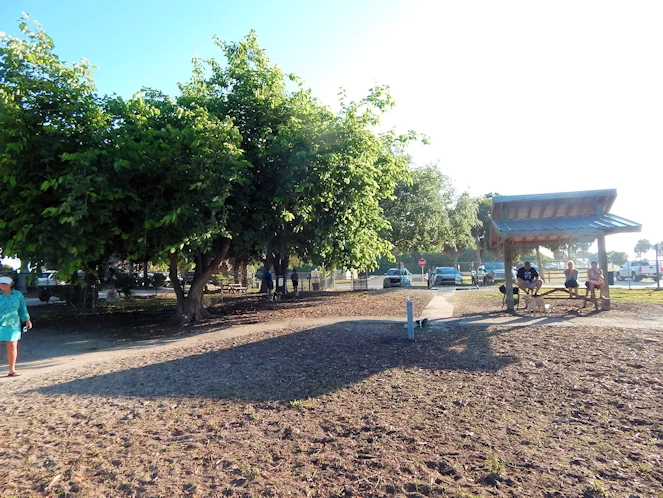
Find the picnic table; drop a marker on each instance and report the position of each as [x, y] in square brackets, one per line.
[546, 291]
[233, 288]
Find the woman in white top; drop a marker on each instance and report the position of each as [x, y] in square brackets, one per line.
[571, 283]
[595, 279]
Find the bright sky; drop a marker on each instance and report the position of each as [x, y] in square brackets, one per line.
[517, 96]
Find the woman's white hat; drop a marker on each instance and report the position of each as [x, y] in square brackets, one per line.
[6, 280]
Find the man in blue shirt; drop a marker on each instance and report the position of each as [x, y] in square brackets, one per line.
[528, 278]
[269, 283]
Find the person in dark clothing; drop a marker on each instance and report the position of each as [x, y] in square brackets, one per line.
[295, 280]
[269, 283]
[528, 278]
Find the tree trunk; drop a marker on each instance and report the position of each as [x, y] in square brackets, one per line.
[281, 269]
[479, 250]
[538, 262]
[244, 274]
[146, 282]
[237, 263]
[267, 265]
[131, 275]
[190, 307]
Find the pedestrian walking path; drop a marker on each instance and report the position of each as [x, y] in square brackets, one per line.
[44, 353]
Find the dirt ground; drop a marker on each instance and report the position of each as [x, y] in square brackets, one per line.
[345, 409]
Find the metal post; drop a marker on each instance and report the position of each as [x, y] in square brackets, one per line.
[658, 270]
[410, 319]
[508, 276]
[603, 264]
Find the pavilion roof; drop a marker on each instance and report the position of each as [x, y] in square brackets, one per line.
[556, 218]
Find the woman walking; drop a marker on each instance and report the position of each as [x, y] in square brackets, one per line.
[13, 312]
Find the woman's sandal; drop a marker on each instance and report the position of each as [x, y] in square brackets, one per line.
[13, 374]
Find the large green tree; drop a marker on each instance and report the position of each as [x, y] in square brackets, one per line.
[55, 202]
[417, 213]
[316, 179]
[463, 219]
[180, 166]
[244, 163]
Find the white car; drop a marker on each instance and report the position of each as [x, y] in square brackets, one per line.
[48, 278]
[397, 278]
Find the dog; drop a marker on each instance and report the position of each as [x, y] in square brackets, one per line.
[535, 305]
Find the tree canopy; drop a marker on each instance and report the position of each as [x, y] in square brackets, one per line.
[463, 219]
[641, 247]
[55, 203]
[417, 212]
[244, 162]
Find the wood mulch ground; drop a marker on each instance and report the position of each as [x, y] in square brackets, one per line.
[349, 409]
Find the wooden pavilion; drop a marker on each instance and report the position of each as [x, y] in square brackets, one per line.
[551, 219]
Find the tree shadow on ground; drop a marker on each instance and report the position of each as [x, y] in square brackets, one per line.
[297, 365]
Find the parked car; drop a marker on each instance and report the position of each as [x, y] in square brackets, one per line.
[493, 272]
[49, 284]
[445, 275]
[637, 270]
[396, 277]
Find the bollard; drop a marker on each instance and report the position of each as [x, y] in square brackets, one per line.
[410, 319]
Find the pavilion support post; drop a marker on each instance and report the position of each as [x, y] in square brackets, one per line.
[603, 264]
[508, 277]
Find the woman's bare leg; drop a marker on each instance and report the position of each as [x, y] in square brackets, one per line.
[12, 353]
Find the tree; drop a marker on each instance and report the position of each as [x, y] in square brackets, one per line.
[237, 165]
[417, 213]
[55, 201]
[660, 248]
[316, 179]
[642, 246]
[569, 251]
[481, 232]
[617, 256]
[463, 219]
[180, 165]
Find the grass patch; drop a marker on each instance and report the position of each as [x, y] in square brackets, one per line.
[301, 404]
[636, 295]
[616, 295]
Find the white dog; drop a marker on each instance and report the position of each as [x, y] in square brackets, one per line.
[535, 305]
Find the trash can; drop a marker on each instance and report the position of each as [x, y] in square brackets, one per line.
[611, 278]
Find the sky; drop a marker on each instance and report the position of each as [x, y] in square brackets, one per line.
[516, 97]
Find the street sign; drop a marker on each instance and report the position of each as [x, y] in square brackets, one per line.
[422, 262]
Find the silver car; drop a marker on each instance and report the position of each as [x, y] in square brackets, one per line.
[397, 278]
[493, 272]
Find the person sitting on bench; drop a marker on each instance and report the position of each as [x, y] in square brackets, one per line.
[595, 279]
[571, 282]
[528, 278]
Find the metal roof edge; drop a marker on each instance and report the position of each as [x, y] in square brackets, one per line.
[499, 199]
